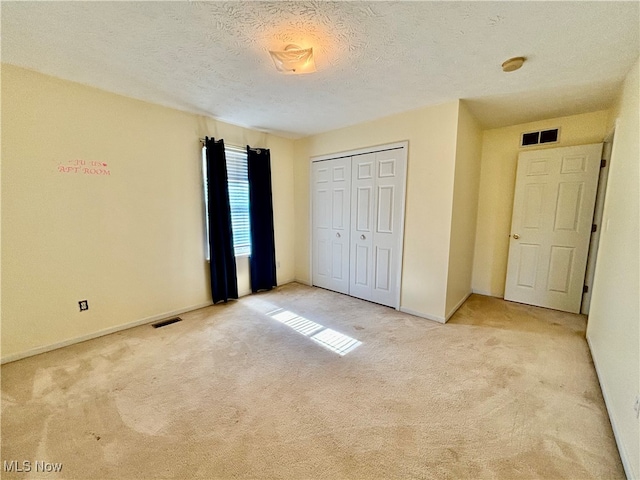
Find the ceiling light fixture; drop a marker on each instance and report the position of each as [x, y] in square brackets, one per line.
[294, 60]
[513, 64]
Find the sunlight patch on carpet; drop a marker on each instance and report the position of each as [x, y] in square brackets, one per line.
[298, 323]
[336, 341]
[326, 337]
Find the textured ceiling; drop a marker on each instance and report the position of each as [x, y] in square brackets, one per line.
[373, 58]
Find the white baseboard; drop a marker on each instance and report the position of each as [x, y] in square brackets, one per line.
[100, 333]
[434, 317]
[458, 305]
[107, 331]
[244, 293]
[628, 470]
[422, 315]
[485, 293]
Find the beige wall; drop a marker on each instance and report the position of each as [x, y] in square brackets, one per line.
[465, 208]
[500, 148]
[431, 133]
[613, 330]
[132, 242]
[302, 210]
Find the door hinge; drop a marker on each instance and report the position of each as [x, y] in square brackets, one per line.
[594, 228]
[603, 163]
[585, 289]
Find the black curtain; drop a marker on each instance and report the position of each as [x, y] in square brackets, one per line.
[263, 252]
[222, 261]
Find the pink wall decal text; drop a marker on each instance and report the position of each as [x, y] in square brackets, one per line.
[83, 167]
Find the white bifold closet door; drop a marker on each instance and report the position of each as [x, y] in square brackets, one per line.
[358, 205]
[331, 223]
[376, 221]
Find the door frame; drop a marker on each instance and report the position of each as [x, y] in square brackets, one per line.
[404, 145]
[598, 216]
[594, 243]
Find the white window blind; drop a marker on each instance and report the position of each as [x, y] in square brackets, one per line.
[237, 176]
[238, 181]
[206, 202]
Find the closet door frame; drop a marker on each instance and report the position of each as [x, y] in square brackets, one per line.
[404, 145]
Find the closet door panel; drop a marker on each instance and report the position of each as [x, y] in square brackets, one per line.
[363, 206]
[361, 269]
[338, 271]
[341, 226]
[321, 222]
[383, 272]
[331, 217]
[362, 225]
[384, 217]
[387, 236]
[338, 221]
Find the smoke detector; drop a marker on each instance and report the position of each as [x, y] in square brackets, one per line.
[513, 64]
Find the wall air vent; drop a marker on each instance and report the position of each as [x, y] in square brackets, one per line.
[540, 137]
[164, 323]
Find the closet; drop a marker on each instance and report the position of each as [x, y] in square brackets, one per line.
[357, 222]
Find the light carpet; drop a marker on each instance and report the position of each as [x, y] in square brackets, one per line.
[502, 391]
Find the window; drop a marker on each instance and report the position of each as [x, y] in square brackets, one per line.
[237, 177]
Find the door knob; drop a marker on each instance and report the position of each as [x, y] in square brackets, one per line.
[516, 236]
[338, 234]
[362, 237]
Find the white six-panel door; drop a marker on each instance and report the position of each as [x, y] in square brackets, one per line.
[551, 226]
[331, 223]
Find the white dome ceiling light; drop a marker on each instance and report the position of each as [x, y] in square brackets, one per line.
[294, 60]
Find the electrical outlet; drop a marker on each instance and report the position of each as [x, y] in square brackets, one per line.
[636, 406]
[84, 305]
[278, 264]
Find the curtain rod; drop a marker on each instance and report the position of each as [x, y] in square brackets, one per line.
[202, 141]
